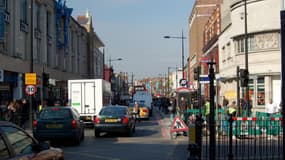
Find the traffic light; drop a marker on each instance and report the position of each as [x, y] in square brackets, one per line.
[197, 73]
[45, 79]
[244, 77]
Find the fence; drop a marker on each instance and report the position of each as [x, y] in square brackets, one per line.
[251, 138]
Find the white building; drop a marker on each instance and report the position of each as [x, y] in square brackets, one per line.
[264, 64]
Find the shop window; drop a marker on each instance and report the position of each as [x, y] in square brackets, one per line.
[260, 91]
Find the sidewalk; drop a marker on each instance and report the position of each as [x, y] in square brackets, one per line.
[180, 152]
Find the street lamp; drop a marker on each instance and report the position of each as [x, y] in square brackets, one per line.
[182, 49]
[111, 60]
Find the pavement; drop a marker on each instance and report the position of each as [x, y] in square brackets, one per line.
[180, 151]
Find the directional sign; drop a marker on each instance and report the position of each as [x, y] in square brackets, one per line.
[204, 79]
[178, 125]
[30, 89]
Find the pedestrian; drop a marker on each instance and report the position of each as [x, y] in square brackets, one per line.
[232, 109]
[24, 110]
[172, 109]
[271, 108]
[13, 112]
[136, 110]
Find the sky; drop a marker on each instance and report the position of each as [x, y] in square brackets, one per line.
[134, 29]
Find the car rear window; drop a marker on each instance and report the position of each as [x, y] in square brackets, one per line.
[55, 113]
[113, 111]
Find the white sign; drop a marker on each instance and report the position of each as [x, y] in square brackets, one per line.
[178, 125]
[30, 89]
[1, 75]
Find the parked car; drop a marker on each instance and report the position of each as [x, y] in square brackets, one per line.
[58, 123]
[144, 110]
[114, 118]
[16, 143]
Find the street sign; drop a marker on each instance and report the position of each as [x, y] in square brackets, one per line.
[178, 125]
[30, 79]
[204, 79]
[30, 89]
[183, 82]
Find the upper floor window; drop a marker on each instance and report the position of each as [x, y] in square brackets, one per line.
[38, 16]
[250, 44]
[23, 10]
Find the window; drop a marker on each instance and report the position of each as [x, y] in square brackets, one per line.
[260, 91]
[38, 16]
[23, 11]
[250, 44]
[20, 141]
[4, 153]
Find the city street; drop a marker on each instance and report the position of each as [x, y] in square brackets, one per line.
[151, 141]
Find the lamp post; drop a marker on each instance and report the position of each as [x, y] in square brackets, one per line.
[111, 60]
[182, 49]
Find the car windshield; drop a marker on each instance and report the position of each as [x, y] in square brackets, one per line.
[141, 104]
[55, 113]
[113, 111]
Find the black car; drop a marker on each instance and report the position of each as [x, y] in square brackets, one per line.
[58, 123]
[16, 143]
[114, 118]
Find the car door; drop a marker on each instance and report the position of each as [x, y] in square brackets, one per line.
[4, 151]
[19, 143]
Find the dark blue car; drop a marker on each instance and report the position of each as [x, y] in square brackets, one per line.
[58, 123]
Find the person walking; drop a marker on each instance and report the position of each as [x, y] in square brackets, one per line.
[24, 111]
[232, 109]
[271, 108]
[136, 111]
[172, 109]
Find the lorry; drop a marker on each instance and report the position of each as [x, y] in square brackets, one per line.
[88, 96]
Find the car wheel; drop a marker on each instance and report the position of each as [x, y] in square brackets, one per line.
[97, 133]
[83, 135]
[130, 132]
[77, 140]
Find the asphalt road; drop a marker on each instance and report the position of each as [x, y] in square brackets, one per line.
[150, 141]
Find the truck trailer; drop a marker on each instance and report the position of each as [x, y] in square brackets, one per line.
[88, 96]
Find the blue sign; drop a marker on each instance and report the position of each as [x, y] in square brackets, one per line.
[204, 79]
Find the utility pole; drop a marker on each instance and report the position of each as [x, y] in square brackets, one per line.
[282, 34]
[31, 63]
[212, 121]
[246, 55]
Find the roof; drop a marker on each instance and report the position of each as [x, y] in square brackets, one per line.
[82, 20]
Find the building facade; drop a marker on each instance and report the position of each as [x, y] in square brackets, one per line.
[201, 12]
[264, 62]
[46, 40]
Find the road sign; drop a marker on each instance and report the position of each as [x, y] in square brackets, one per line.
[204, 79]
[183, 82]
[30, 79]
[30, 89]
[178, 125]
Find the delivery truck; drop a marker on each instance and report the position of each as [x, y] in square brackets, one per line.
[88, 96]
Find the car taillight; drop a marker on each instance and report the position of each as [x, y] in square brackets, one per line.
[73, 124]
[35, 123]
[145, 110]
[125, 120]
[96, 120]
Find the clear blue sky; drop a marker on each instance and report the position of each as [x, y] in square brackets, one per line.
[133, 30]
